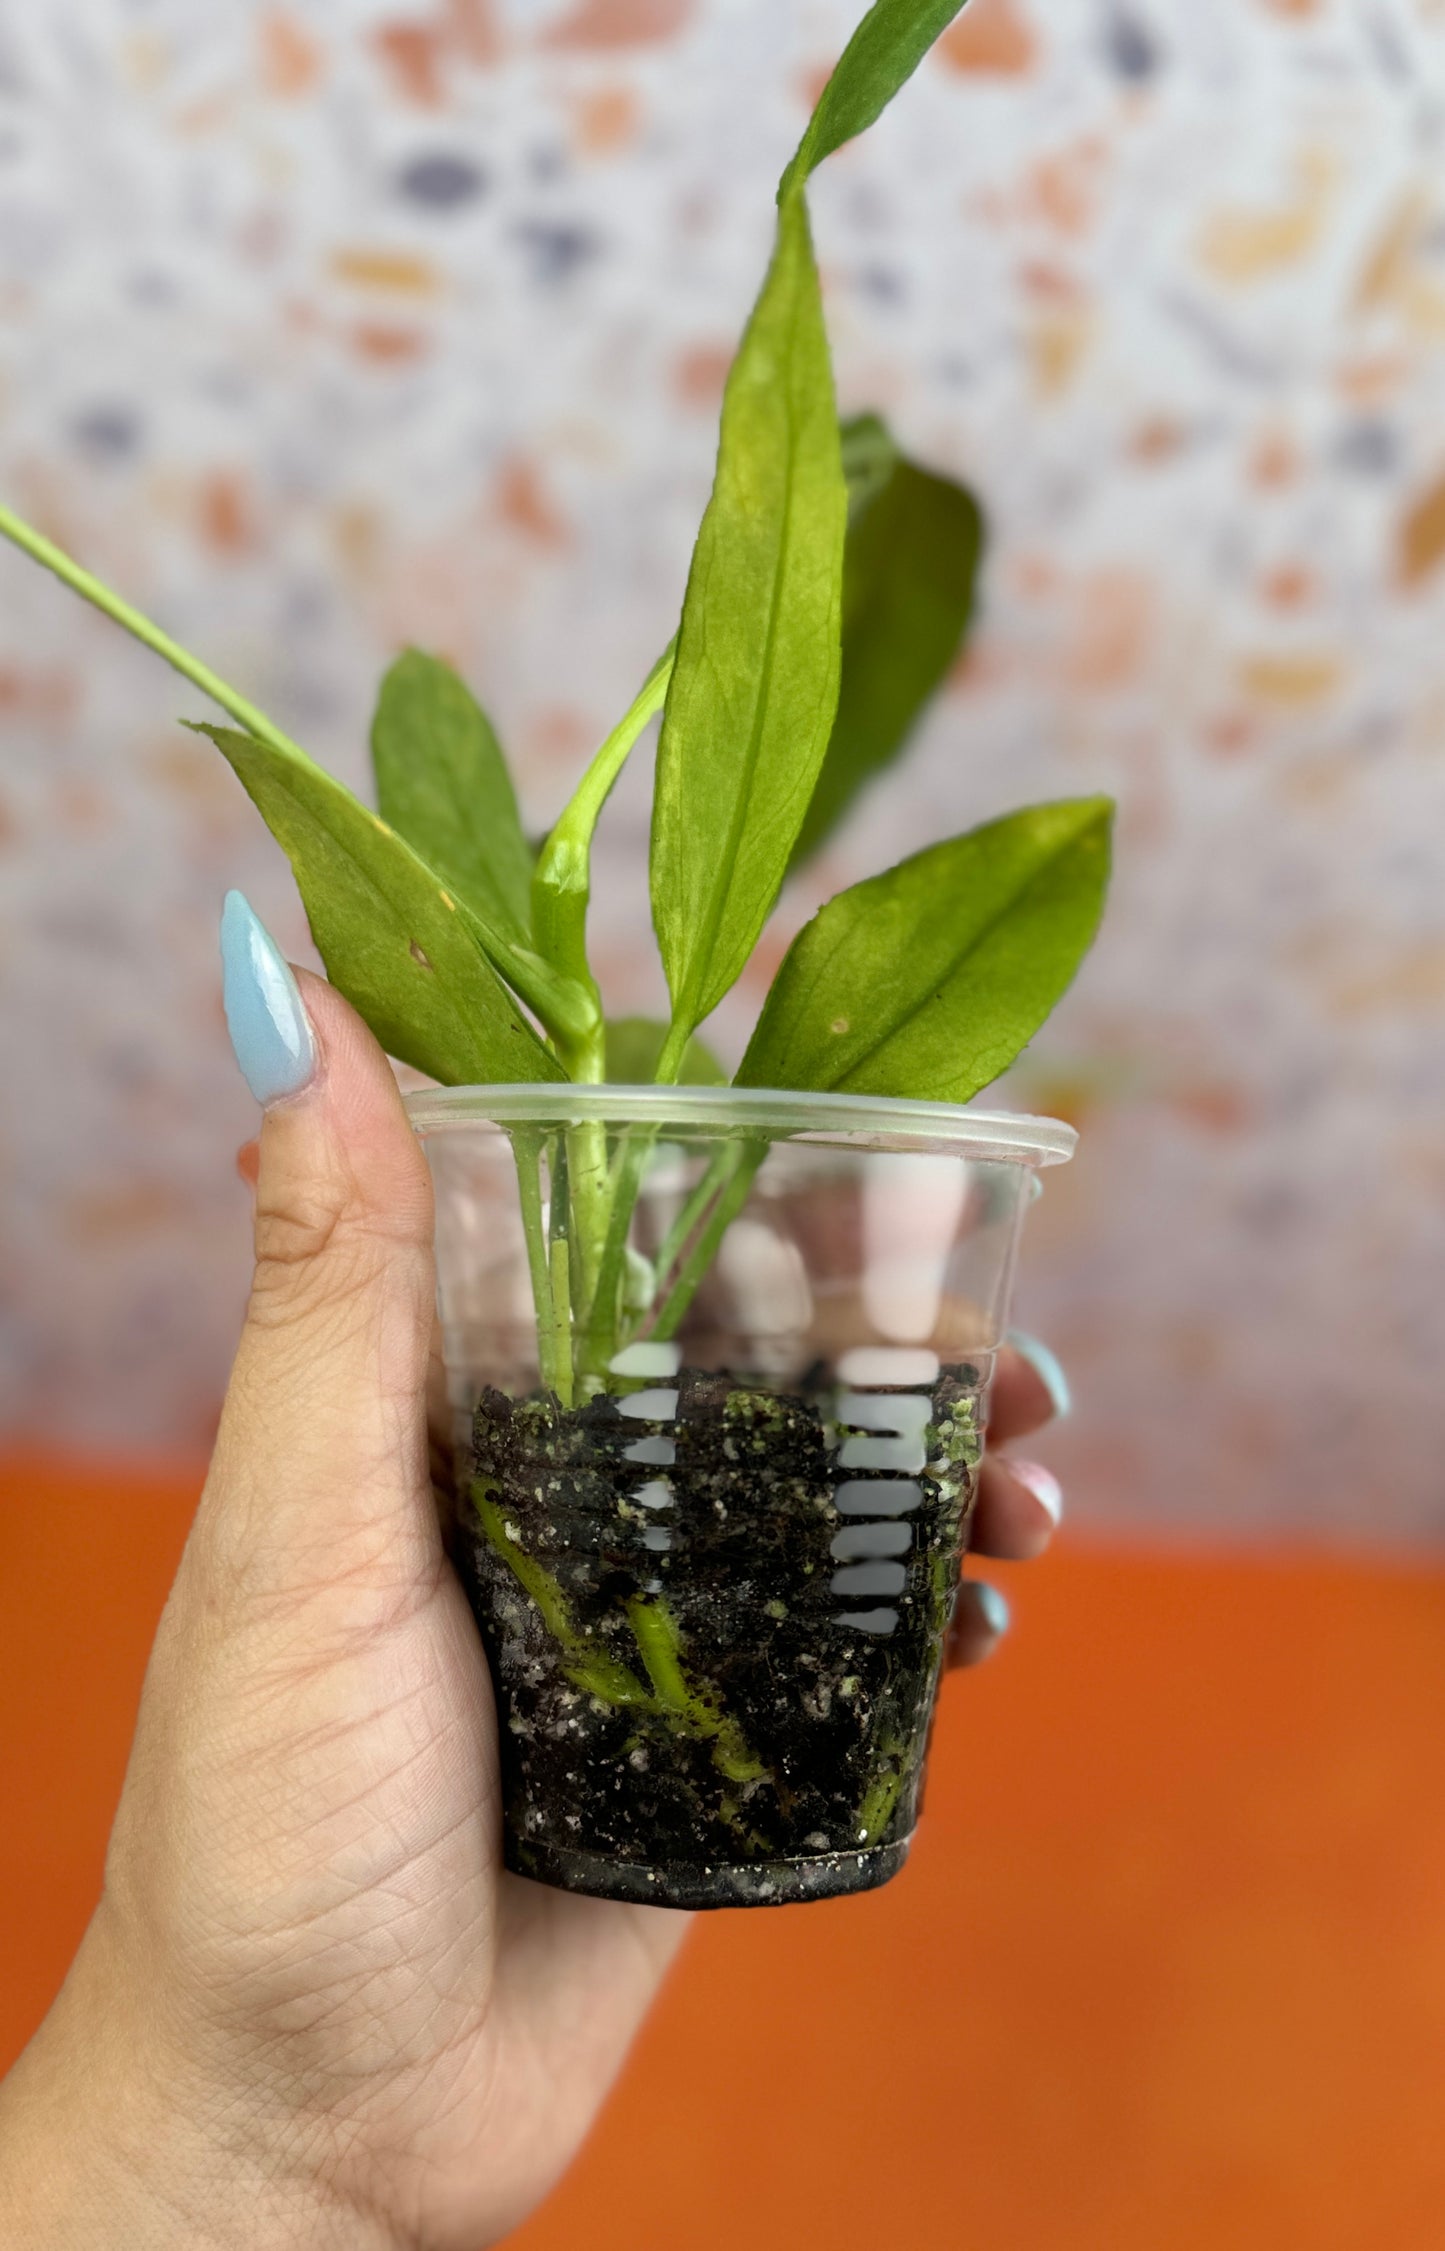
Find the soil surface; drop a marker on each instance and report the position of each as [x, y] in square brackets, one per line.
[715, 1685]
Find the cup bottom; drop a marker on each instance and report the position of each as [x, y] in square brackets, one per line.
[774, 1883]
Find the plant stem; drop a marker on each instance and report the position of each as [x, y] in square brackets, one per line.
[562, 883]
[674, 1052]
[100, 597]
[604, 1324]
[717, 1174]
[568, 1008]
[748, 1159]
[587, 1172]
[552, 1344]
[559, 1266]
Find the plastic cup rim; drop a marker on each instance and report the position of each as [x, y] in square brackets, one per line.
[868, 1121]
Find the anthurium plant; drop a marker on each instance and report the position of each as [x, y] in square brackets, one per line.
[831, 588]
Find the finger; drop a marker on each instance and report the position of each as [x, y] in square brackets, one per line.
[980, 1621]
[323, 1436]
[248, 1162]
[1029, 1390]
[1018, 1510]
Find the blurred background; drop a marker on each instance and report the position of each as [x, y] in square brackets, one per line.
[331, 325]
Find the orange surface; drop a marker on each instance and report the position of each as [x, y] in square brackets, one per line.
[1167, 1970]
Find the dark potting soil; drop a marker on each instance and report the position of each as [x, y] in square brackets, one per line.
[701, 1703]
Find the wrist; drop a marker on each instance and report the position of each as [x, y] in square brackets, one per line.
[102, 2147]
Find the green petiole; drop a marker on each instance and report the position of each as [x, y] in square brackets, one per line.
[140, 628]
[553, 1344]
[562, 882]
[737, 1170]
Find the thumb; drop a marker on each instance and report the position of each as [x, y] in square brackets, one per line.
[320, 1466]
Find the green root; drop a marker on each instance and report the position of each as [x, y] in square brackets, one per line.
[587, 1667]
[672, 1698]
[657, 1635]
[876, 1811]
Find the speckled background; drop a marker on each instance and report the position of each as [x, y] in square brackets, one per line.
[329, 325]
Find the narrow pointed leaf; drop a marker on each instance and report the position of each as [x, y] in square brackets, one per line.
[634, 1050]
[928, 981]
[881, 56]
[910, 573]
[392, 937]
[755, 684]
[442, 784]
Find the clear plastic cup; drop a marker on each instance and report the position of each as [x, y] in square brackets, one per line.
[712, 1531]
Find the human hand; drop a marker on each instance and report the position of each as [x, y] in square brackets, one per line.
[312, 2008]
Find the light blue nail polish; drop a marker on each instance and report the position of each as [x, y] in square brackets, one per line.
[1047, 1368]
[269, 1031]
[997, 1615]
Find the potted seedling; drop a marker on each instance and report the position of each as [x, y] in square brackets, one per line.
[718, 1351]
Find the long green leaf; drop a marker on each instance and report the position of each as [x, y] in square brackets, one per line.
[881, 56]
[634, 1050]
[442, 784]
[393, 939]
[928, 981]
[755, 684]
[910, 573]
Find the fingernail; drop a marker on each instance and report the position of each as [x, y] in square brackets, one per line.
[1047, 1367]
[264, 1010]
[997, 1615]
[1042, 1483]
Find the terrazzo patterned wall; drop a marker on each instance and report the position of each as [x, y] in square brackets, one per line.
[329, 325]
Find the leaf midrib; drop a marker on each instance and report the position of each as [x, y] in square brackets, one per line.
[703, 955]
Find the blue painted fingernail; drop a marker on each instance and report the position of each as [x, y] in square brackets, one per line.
[997, 1615]
[1047, 1367]
[264, 1010]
